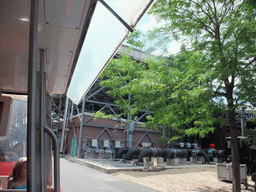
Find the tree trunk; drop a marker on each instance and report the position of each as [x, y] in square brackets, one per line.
[234, 145]
[235, 153]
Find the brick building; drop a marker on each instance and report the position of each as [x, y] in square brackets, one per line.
[104, 129]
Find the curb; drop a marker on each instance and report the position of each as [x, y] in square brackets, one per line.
[110, 169]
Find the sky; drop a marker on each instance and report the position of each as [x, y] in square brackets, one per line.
[148, 22]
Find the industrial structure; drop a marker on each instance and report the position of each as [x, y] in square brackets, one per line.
[117, 133]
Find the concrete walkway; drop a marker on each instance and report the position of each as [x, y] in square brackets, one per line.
[111, 166]
[75, 177]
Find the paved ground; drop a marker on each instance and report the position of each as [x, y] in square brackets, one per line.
[190, 179]
[75, 178]
[183, 178]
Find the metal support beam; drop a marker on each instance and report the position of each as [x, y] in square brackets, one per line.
[151, 139]
[242, 126]
[141, 138]
[60, 104]
[68, 140]
[101, 103]
[33, 183]
[105, 138]
[101, 133]
[75, 137]
[77, 110]
[42, 117]
[54, 104]
[130, 125]
[130, 132]
[72, 132]
[141, 118]
[105, 129]
[112, 127]
[64, 125]
[48, 141]
[81, 129]
[95, 93]
[92, 116]
[109, 133]
[116, 15]
[115, 114]
[72, 110]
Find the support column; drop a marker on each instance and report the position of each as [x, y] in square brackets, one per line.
[81, 129]
[72, 110]
[130, 126]
[60, 104]
[130, 132]
[64, 125]
[242, 126]
[42, 117]
[48, 142]
[33, 130]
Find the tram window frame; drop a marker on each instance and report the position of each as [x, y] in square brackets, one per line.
[6, 103]
[1, 109]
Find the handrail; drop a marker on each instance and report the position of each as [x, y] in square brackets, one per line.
[56, 158]
[32, 153]
[42, 115]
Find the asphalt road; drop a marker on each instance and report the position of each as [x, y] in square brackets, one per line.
[75, 178]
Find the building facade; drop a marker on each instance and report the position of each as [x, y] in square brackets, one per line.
[102, 131]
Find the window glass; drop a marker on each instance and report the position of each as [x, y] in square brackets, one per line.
[13, 145]
[105, 34]
[128, 10]
[103, 38]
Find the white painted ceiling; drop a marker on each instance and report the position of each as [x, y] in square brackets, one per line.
[61, 23]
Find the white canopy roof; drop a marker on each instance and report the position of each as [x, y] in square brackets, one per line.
[105, 35]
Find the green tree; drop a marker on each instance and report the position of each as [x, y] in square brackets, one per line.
[119, 77]
[225, 32]
[175, 91]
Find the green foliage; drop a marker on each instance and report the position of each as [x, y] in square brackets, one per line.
[174, 89]
[174, 139]
[120, 76]
[100, 114]
[135, 39]
[249, 134]
[178, 96]
[223, 32]
[251, 4]
[187, 93]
